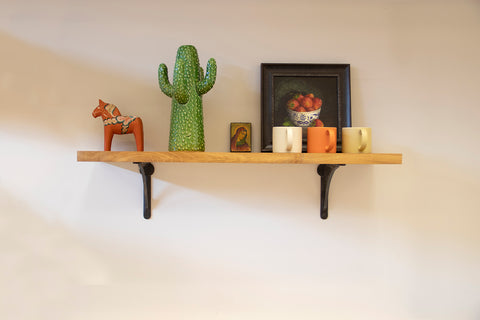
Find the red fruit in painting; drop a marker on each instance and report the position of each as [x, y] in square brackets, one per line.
[307, 102]
[317, 103]
[310, 109]
[300, 109]
[310, 95]
[318, 123]
[292, 104]
[297, 96]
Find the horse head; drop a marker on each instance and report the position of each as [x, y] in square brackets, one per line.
[106, 110]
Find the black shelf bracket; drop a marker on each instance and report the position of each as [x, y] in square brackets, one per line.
[325, 171]
[146, 170]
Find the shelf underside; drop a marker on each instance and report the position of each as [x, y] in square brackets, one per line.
[231, 157]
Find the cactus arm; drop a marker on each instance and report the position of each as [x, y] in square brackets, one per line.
[207, 83]
[200, 74]
[165, 85]
[180, 85]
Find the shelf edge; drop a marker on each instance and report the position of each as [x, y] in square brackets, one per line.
[228, 157]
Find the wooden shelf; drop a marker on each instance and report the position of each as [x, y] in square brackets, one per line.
[231, 157]
[327, 164]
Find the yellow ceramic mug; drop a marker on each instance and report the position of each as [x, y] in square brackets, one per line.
[356, 140]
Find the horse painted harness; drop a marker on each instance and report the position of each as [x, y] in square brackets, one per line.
[125, 121]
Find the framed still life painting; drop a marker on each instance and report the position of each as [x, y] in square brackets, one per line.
[240, 137]
[304, 95]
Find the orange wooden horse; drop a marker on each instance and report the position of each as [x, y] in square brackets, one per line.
[115, 123]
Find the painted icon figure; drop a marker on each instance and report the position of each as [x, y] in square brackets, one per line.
[239, 140]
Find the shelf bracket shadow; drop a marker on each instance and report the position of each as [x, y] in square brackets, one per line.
[325, 171]
[146, 170]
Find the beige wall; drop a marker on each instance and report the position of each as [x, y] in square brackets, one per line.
[238, 241]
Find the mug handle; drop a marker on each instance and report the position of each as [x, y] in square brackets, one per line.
[289, 134]
[363, 139]
[331, 141]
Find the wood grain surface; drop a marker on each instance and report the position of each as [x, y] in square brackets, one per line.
[227, 157]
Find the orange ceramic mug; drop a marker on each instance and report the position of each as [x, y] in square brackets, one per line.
[322, 140]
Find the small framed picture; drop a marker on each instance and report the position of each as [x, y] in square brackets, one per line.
[240, 137]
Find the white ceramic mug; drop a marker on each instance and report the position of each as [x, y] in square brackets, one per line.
[356, 140]
[287, 139]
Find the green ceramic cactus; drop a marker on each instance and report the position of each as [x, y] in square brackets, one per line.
[189, 84]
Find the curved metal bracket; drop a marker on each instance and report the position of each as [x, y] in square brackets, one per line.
[325, 171]
[146, 169]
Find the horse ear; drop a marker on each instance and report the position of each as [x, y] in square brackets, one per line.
[100, 101]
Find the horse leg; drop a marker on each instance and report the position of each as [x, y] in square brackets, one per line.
[138, 133]
[108, 136]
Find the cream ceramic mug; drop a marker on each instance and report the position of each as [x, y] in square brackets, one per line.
[287, 139]
[356, 140]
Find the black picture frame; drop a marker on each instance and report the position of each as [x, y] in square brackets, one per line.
[279, 81]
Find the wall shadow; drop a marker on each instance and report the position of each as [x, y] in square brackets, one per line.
[42, 90]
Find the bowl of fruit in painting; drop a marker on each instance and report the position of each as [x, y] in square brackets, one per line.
[304, 109]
